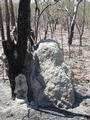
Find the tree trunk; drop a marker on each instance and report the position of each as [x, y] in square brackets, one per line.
[7, 19]
[72, 21]
[22, 32]
[12, 13]
[82, 27]
[46, 30]
[80, 40]
[61, 37]
[1, 24]
[16, 53]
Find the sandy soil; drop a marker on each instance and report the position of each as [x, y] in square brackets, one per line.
[80, 64]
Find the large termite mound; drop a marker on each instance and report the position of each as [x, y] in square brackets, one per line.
[49, 78]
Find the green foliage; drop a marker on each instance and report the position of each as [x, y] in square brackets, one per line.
[55, 11]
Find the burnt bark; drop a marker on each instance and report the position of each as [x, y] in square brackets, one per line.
[22, 32]
[16, 53]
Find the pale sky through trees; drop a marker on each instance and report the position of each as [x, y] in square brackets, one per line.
[32, 0]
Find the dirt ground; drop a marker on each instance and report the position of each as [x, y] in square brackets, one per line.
[79, 63]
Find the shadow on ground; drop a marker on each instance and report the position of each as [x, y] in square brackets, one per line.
[79, 98]
[61, 112]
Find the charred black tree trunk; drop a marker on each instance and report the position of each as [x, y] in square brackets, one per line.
[22, 32]
[16, 53]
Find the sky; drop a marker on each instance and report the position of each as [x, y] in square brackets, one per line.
[31, 0]
[18, 0]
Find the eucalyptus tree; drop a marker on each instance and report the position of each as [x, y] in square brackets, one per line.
[81, 21]
[72, 21]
